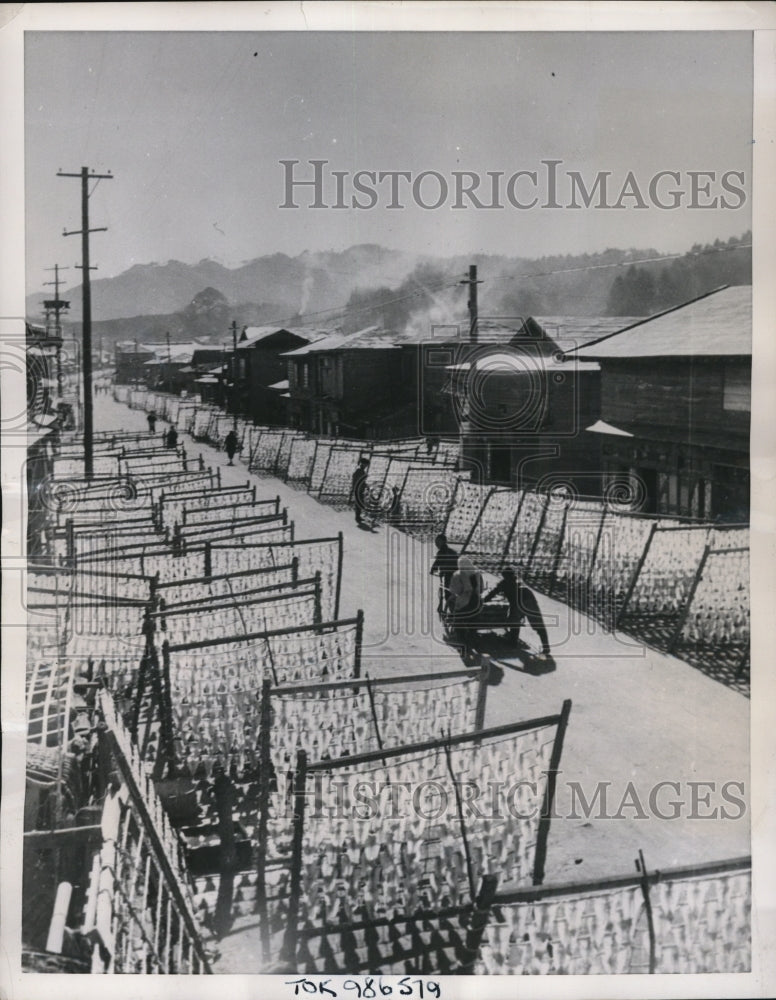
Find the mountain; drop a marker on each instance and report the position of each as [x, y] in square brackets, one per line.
[309, 282]
[368, 285]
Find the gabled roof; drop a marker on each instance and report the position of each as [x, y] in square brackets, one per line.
[369, 337]
[718, 324]
[253, 335]
[570, 332]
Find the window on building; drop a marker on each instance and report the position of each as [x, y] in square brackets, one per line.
[305, 376]
[737, 394]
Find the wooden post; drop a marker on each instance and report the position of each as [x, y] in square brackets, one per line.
[208, 560]
[371, 695]
[593, 558]
[317, 613]
[644, 883]
[265, 762]
[295, 570]
[70, 542]
[478, 518]
[225, 797]
[688, 602]
[482, 692]
[451, 506]
[632, 585]
[537, 534]
[549, 795]
[559, 550]
[166, 736]
[478, 923]
[359, 641]
[325, 470]
[340, 551]
[138, 696]
[295, 882]
[461, 823]
[511, 532]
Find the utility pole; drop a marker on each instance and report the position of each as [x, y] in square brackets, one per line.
[168, 380]
[56, 305]
[136, 366]
[86, 360]
[234, 374]
[472, 282]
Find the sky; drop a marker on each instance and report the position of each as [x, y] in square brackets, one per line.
[193, 126]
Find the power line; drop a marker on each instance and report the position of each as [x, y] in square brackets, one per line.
[340, 312]
[623, 263]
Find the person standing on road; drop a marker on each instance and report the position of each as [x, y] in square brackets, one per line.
[523, 606]
[151, 418]
[230, 445]
[444, 565]
[358, 489]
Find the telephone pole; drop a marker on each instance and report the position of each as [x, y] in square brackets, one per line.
[234, 374]
[86, 360]
[472, 282]
[56, 305]
[168, 380]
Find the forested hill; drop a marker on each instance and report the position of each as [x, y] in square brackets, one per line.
[612, 283]
[402, 292]
[647, 288]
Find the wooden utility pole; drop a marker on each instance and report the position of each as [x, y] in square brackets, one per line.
[234, 374]
[472, 282]
[168, 380]
[86, 360]
[56, 305]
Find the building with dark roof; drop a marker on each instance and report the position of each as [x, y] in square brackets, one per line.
[522, 402]
[350, 385]
[676, 406]
[260, 366]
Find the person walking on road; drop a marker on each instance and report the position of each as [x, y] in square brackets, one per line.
[358, 489]
[171, 440]
[231, 445]
[523, 606]
[443, 566]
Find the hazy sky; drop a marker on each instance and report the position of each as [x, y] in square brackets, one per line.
[193, 126]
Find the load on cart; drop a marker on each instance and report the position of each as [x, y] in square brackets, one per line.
[465, 611]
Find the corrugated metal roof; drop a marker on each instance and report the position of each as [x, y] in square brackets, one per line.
[719, 324]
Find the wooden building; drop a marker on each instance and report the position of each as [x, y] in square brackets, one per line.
[261, 371]
[676, 406]
[523, 404]
[350, 386]
[130, 360]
